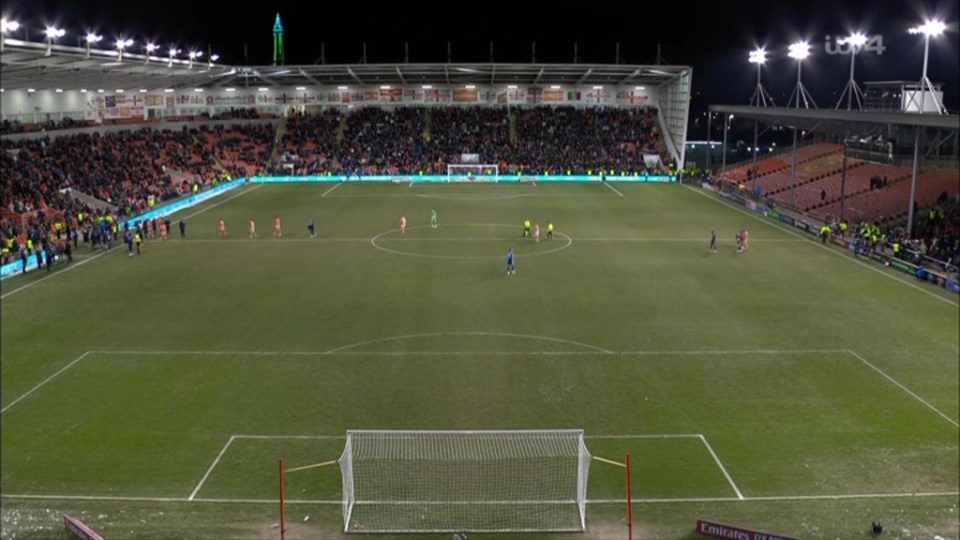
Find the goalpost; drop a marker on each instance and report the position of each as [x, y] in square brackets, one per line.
[473, 172]
[464, 481]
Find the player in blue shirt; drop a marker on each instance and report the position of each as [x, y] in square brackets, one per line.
[511, 269]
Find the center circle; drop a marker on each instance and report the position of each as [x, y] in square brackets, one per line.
[495, 244]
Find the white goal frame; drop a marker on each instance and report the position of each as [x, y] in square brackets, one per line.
[475, 172]
[429, 481]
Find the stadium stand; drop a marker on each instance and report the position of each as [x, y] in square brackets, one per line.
[780, 162]
[891, 201]
[407, 140]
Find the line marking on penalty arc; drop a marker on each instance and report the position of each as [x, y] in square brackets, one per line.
[45, 381]
[212, 466]
[905, 389]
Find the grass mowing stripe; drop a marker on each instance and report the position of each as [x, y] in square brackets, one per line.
[45, 381]
[830, 249]
[905, 389]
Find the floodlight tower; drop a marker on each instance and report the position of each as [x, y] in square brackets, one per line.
[800, 51]
[193, 55]
[760, 97]
[279, 58]
[929, 29]
[149, 49]
[122, 43]
[172, 52]
[53, 33]
[852, 91]
[7, 25]
[92, 38]
[932, 28]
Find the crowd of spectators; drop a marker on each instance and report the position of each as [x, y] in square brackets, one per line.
[310, 142]
[407, 140]
[15, 126]
[48, 180]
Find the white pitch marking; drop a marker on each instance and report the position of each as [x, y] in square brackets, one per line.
[45, 381]
[776, 225]
[14, 496]
[722, 468]
[783, 498]
[905, 389]
[228, 199]
[613, 188]
[437, 334]
[744, 351]
[331, 189]
[210, 470]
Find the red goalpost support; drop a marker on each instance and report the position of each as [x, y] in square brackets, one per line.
[629, 501]
[283, 525]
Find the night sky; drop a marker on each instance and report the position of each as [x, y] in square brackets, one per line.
[713, 39]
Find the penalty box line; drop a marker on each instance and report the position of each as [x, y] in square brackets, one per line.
[698, 436]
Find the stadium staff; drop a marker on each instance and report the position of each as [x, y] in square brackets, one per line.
[824, 232]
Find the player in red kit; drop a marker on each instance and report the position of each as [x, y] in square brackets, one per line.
[403, 224]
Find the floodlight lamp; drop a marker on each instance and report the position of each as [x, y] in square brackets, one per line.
[857, 39]
[173, 51]
[150, 47]
[8, 26]
[799, 50]
[53, 32]
[124, 43]
[931, 28]
[93, 38]
[214, 57]
[758, 56]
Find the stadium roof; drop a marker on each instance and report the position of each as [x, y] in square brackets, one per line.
[28, 65]
[833, 120]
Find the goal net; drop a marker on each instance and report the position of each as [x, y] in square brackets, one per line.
[476, 172]
[464, 481]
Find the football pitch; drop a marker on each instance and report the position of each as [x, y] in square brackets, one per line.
[789, 388]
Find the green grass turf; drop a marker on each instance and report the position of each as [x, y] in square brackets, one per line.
[623, 325]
